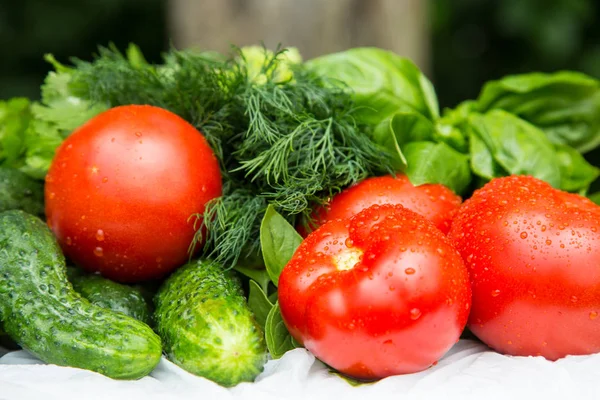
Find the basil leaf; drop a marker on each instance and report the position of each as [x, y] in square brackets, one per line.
[516, 145]
[382, 83]
[430, 162]
[482, 161]
[565, 105]
[277, 336]
[278, 240]
[259, 304]
[576, 174]
[259, 276]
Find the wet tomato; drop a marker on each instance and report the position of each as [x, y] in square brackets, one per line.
[435, 202]
[379, 294]
[533, 253]
[121, 190]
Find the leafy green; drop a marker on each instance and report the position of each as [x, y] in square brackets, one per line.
[277, 336]
[576, 174]
[259, 303]
[15, 116]
[430, 162]
[515, 147]
[595, 198]
[279, 240]
[382, 82]
[258, 276]
[565, 105]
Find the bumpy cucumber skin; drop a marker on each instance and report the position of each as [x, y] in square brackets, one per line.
[20, 192]
[44, 315]
[128, 300]
[206, 326]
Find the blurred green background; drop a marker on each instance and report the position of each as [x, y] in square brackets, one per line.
[472, 41]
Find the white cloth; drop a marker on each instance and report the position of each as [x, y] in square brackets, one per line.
[469, 371]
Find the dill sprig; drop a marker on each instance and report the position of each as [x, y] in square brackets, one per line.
[292, 143]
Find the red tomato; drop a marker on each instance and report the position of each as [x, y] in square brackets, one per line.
[435, 202]
[122, 188]
[534, 257]
[380, 294]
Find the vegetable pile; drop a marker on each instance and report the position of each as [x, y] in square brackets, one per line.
[224, 209]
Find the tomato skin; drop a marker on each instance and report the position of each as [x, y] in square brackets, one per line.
[534, 260]
[435, 202]
[122, 187]
[379, 294]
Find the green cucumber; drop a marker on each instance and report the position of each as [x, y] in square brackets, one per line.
[126, 299]
[206, 326]
[45, 316]
[20, 192]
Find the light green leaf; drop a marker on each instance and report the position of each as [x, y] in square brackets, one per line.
[430, 162]
[259, 303]
[576, 174]
[382, 82]
[278, 240]
[260, 276]
[565, 105]
[277, 336]
[516, 145]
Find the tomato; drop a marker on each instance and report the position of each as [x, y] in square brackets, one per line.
[122, 188]
[379, 294]
[435, 202]
[533, 253]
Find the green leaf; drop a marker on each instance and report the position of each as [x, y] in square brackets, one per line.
[595, 197]
[277, 336]
[482, 160]
[15, 117]
[382, 82]
[259, 276]
[517, 146]
[259, 303]
[41, 141]
[430, 162]
[565, 105]
[67, 114]
[576, 174]
[279, 240]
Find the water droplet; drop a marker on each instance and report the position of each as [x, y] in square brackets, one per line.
[409, 271]
[548, 242]
[112, 140]
[104, 180]
[138, 134]
[509, 342]
[349, 242]
[100, 235]
[83, 217]
[495, 293]
[69, 241]
[415, 314]
[98, 252]
[203, 188]
[593, 315]
[574, 299]
[523, 235]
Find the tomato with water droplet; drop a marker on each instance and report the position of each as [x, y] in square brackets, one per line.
[118, 205]
[544, 285]
[413, 304]
[435, 202]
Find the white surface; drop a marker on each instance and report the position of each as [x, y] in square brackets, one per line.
[468, 371]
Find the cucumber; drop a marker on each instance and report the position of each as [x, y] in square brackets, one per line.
[206, 326]
[20, 192]
[126, 299]
[45, 316]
